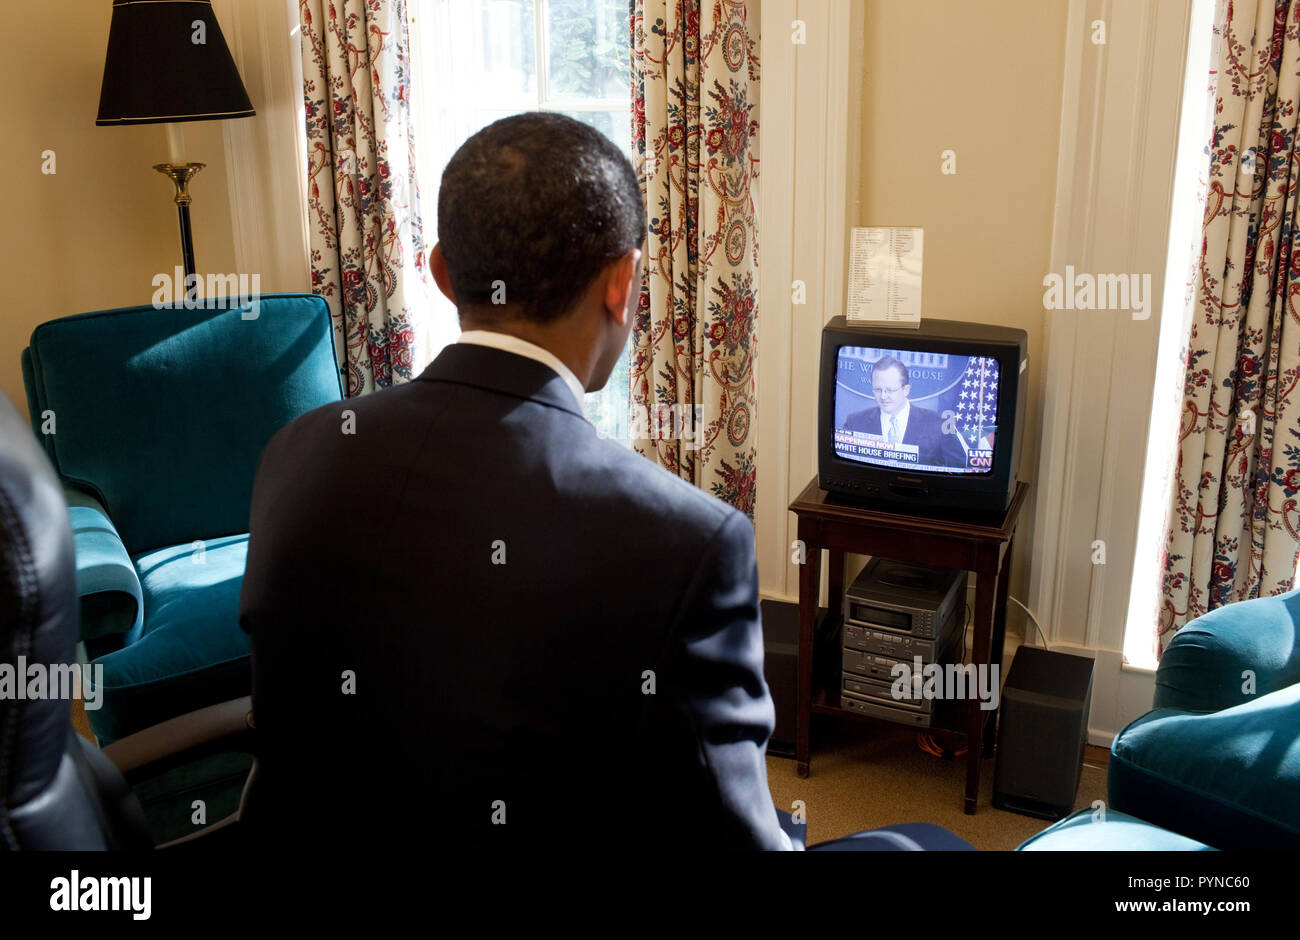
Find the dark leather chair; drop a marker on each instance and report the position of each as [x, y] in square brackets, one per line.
[57, 790]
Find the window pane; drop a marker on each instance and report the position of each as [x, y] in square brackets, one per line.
[495, 48]
[608, 408]
[588, 46]
[616, 125]
[485, 116]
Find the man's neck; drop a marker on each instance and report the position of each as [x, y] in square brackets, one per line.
[547, 337]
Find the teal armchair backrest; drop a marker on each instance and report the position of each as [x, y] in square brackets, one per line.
[1232, 655]
[164, 413]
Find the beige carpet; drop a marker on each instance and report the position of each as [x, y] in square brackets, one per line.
[866, 775]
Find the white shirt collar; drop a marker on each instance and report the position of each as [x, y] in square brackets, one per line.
[521, 347]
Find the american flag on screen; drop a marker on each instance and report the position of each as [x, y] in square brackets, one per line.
[977, 404]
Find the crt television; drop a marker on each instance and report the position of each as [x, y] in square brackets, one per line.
[922, 418]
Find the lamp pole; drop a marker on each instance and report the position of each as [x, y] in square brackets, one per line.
[181, 174]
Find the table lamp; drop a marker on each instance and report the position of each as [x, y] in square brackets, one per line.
[167, 63]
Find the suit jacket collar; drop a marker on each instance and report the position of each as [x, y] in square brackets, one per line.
[499, 371]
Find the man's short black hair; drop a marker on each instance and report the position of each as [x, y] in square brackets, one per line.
[533, 207]
[889, 362]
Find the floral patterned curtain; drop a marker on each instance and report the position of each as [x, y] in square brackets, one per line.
[367, 246]
[1235, 520]
[695, 133]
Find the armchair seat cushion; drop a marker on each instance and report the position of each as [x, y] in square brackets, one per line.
[189, 651]
[1230, 778]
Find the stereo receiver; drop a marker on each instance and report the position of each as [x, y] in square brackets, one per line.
[905, 601]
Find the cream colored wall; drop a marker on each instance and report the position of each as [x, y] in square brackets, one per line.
[982, 79]
[94, 234]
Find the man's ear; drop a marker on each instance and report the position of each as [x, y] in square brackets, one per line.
[441, 276]
[620, 280]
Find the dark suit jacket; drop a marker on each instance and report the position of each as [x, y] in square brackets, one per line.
[924, 431]
[504, 586]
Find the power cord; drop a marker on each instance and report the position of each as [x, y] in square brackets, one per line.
[1019, 603]
[964, 627]
[1032, 619]
[927, 743]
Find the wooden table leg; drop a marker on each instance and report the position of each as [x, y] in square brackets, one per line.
[985, 592]
[809, 587]
[999, 641]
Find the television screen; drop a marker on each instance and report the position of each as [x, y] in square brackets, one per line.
[916, 411]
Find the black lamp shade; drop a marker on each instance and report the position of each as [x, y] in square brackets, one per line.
[155, 72]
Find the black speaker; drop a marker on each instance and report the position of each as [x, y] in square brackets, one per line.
[1042, 730]
[780, 662]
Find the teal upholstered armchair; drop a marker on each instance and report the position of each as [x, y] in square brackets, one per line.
[155, 419]
[1216, 762]
[1218, 758]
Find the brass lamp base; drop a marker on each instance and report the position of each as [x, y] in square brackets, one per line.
[180, 174]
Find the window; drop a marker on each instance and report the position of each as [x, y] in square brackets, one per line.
[1190, 177]
[476, 61]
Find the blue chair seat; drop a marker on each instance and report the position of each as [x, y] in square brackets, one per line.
[1113, 832]
[189, 651]
[900, 837]
[1231, 777]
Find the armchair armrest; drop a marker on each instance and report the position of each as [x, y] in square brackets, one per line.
[226, 724]
[158, 748]
[1232, 655]
[107, 583]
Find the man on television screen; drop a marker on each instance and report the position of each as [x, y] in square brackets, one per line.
[898, 422]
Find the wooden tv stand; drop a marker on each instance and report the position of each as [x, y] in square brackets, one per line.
[979, 544]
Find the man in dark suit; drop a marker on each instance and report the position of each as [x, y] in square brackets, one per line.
[472, 617]
[896, 420]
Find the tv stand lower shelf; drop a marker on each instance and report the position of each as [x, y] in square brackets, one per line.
[979, 544]
[947, 726]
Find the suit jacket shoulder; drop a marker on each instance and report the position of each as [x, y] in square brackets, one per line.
[926, 419]
[867, 420]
